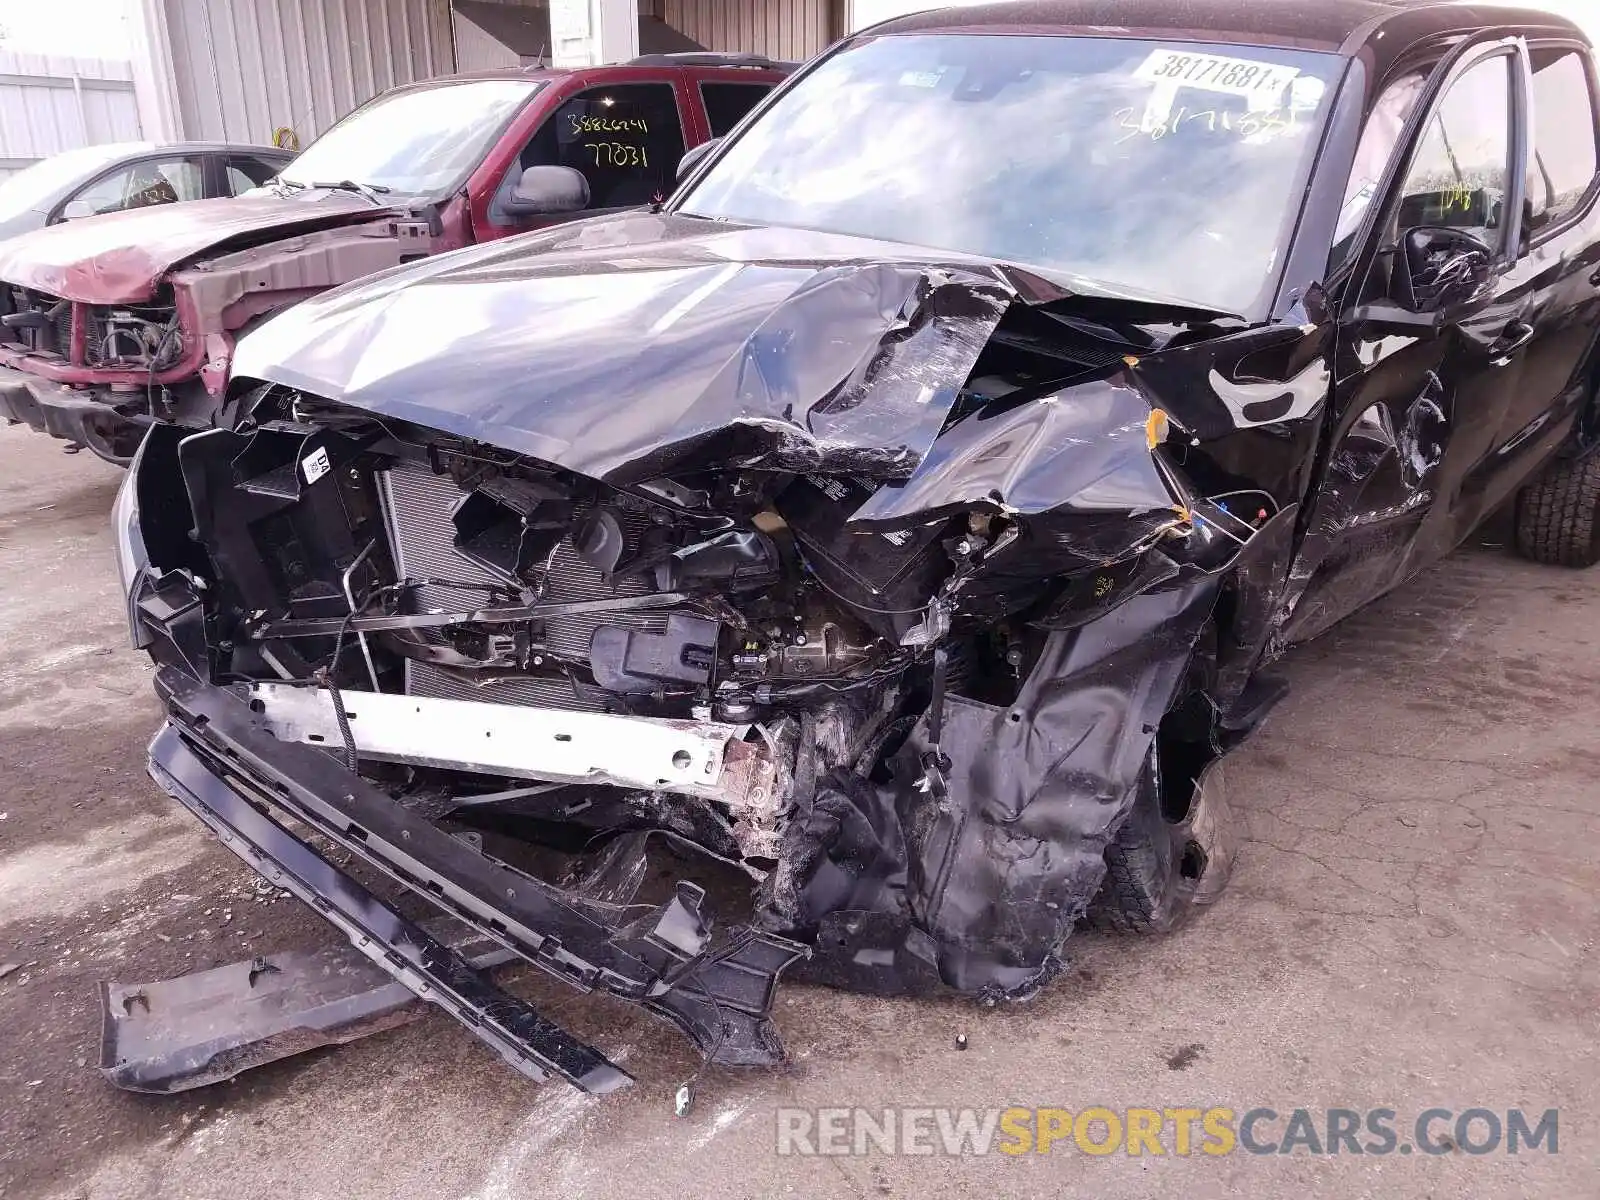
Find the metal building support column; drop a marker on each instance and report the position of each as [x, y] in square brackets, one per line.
[155, 85]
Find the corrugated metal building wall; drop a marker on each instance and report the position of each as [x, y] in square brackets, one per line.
[243, 68]
[794, 29]
[478, 51]
[239, 70]
[50, 103]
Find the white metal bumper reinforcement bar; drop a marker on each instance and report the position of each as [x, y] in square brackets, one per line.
[697, 758]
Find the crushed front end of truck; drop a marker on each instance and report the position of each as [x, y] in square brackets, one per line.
[875, 599]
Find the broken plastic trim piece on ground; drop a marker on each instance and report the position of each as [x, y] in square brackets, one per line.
[208, 1026]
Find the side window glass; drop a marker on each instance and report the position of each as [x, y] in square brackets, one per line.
[245, 173]
[106, 194]
[1459, 173]
[727, 103]
[626, 139]
[166, 182]
[140, 186]
[1378, 141]
[1563, 160]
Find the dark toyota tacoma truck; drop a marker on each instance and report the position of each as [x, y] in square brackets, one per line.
[863, 565]
[110, 323]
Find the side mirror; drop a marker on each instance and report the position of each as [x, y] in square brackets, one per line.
[1436, 268]
[692, 159]
[1435, 272]
[547, 189]
[75, 209]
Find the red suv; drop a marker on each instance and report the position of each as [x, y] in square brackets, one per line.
[110, 323]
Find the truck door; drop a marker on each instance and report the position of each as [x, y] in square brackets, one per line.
[1558, 274]
[1423, 388]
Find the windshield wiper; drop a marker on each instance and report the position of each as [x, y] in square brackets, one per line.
[369, 190]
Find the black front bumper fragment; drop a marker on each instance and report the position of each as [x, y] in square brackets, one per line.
[216, 759]
[73, 414]
[421, 962]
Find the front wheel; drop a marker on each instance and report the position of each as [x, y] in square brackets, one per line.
[1169, 857]
[1558, 514]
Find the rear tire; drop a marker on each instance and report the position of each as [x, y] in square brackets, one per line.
[1558, 514]
[1160, 869]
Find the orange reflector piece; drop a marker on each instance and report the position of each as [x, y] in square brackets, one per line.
[1155, 428]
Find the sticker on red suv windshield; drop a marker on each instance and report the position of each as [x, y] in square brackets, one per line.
[1261, 81]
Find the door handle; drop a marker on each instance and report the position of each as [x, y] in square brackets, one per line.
[1594, 277]
[1515, 336]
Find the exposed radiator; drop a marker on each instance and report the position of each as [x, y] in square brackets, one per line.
[417, 510]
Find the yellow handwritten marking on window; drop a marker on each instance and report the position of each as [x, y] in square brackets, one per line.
[587, 124]
[1246, 125]
[618, 154]
[1460, 196]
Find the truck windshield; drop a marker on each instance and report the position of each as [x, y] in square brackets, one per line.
[414, 143]
[1170, 169]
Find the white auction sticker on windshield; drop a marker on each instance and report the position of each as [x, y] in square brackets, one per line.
[1258, 81]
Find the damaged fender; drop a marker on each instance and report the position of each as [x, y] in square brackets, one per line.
[983, 886]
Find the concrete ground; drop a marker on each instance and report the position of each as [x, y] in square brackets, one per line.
[1412, 923]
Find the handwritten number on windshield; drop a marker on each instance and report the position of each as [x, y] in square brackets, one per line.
[587, 124]
[1249, 124]
[618, 154]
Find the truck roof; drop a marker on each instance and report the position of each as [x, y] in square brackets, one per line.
[699, 60]
[1343, 26]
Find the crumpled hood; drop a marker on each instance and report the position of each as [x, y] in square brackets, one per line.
[119, 258]
[621, 346]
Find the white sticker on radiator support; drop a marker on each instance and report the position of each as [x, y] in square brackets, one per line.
[316, 464]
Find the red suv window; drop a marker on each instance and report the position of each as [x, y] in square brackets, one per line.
[727, 103]
[626, 138]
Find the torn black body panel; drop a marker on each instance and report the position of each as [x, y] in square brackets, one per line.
[979, 890]
[1086, 449]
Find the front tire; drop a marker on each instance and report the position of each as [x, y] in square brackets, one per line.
[1163, 864]
[1558, 514]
